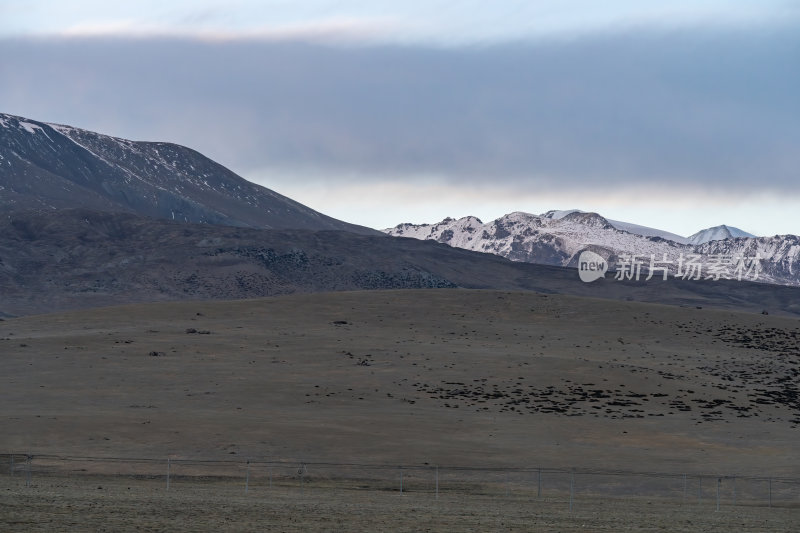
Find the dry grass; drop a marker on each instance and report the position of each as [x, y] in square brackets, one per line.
[92, 503]
[452, 377]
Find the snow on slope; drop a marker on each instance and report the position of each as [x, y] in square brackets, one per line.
[781, 251]
[648, 232]
[53, 166]
[538, 239]
[558, 237]
[625, 226]
[717, 233]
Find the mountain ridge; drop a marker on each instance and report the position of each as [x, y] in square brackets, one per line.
[55, 166]
[78, 258]
[558, 237]
[722, 231]
[89, 220]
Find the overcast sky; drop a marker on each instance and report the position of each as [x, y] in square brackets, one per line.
[679, 115]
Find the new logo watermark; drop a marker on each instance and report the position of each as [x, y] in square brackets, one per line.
[591, 266]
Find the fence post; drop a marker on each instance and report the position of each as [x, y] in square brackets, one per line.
[437, 482]
[401, 480]
[700, 491]
[302, 486]
[571, 490]
[507, 485]
[734, 491]
[719, 484]
[169, 464]
[269, 470]
[770, 492]
[247, 478]
[12, 465]
[684, 488]
[539, 484]
[28, 478]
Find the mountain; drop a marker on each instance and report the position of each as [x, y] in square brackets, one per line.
[625, 226]
[89, 220]
[559, 237]
[50, 166]
[781, 254]
[77, 258]
[717, 233]
[546, 239]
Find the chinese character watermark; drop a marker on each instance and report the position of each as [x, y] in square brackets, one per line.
[592, 266]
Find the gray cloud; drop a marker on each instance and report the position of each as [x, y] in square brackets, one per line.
[718, 108]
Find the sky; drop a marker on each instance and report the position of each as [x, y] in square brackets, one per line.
[679, 114]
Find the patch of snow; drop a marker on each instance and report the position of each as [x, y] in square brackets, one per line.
[30, 128]
[636, 229]
[557, 215]
[648, 232]
[60, 128]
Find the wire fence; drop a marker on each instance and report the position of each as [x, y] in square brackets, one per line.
[260, 477]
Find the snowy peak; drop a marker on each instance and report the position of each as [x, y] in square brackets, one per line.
[555, 214]
[717, 233]
[587, 219]
[636, 229]
[559, 237]
[441, 231]
[555, 238]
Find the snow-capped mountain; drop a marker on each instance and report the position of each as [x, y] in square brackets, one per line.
[51, 166]
[717, 233]
[558, 238]
[780, 253]
[626, 226]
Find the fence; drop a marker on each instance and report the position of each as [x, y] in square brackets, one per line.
[559, 486]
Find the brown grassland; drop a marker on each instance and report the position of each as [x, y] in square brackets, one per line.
[456, 378]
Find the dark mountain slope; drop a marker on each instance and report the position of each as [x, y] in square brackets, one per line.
[46, 166]
[71, 259]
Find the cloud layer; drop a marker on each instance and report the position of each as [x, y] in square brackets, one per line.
[711, 110]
